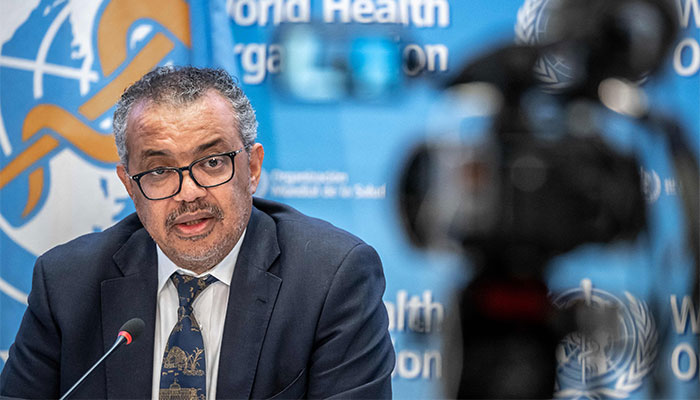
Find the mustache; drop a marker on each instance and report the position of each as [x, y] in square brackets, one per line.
[191, 207]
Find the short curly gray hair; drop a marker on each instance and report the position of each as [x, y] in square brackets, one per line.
[182, 85]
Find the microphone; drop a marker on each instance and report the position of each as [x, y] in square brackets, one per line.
[127, 333]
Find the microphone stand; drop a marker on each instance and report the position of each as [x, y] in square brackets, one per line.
[120, 339]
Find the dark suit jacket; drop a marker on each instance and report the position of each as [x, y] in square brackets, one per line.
[305, 316]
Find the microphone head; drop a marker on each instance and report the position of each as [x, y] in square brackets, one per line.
[131, 329]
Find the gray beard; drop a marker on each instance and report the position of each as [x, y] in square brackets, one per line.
[205, 260]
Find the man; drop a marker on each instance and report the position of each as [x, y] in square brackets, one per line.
[291, 306]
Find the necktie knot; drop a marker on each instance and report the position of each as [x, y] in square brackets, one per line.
[189, 287]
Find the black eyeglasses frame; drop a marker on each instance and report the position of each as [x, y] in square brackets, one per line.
[231, 154]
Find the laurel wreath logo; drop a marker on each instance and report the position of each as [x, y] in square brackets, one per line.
[641, 365]
[525, 24]
[526, 33]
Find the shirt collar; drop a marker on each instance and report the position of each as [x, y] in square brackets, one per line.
[223, 271]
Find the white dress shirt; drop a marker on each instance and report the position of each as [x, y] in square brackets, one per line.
[209, 310]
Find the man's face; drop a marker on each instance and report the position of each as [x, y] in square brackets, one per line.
[199, 226]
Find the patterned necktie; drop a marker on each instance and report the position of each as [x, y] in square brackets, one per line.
[183, 372]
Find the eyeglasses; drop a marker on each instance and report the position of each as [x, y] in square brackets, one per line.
[164, 182]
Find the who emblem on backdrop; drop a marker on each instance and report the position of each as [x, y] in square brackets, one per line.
[608, 363]
[531, 29]
[63, 65]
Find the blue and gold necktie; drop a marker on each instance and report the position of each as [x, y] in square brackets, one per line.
[183, 372]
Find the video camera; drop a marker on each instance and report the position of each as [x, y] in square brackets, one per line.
[550, 181]
[543, 181]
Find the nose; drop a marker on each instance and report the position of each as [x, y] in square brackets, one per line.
[189, 191]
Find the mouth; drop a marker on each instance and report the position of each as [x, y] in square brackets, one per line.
[193, 225]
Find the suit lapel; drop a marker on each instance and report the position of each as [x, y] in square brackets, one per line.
[130, 369]
[251, 300]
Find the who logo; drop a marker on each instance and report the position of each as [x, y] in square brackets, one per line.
[611, 362]
[531, 29]
[63, 65]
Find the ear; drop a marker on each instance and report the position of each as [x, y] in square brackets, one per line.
[124, 177]
[257, 153]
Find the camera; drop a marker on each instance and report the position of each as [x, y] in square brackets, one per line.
[542, 181]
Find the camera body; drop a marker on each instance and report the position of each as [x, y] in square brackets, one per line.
[552, 194]
[542, 181]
